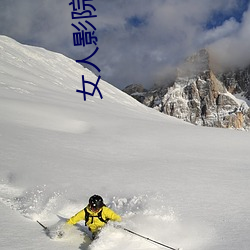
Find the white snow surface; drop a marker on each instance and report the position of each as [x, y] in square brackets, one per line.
[182, 185]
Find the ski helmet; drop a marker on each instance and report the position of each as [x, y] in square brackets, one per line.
[95, 202]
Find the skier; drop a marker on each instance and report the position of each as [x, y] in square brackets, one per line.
[95, 214]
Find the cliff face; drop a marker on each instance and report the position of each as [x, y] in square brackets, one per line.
[201, 97]
[237, 81]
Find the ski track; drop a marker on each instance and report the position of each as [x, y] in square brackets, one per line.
[139, 215]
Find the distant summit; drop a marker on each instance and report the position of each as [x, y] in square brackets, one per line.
[202, 95]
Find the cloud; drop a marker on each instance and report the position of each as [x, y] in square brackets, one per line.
[228, 28]
[170, 31]
[34, 22]
[233, 49]
[139, 41]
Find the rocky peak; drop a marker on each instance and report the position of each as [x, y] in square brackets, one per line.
[201, 97]
[196, 64]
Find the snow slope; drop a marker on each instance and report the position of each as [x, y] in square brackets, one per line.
[179, 184]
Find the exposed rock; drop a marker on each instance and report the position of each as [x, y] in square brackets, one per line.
[133, 88]
[137, 91]
[237, 81]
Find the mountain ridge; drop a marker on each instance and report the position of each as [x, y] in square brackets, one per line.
[200, 95]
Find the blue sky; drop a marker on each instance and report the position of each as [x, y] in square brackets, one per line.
[137, 21]
[218, 17]
[140, 41]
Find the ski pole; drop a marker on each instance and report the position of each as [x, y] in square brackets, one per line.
[45, 228]
[146, 238]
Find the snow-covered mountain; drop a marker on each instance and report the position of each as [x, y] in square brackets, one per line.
[201, 96]
[182, 185]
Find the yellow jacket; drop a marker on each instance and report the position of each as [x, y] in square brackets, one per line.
[94, 223]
